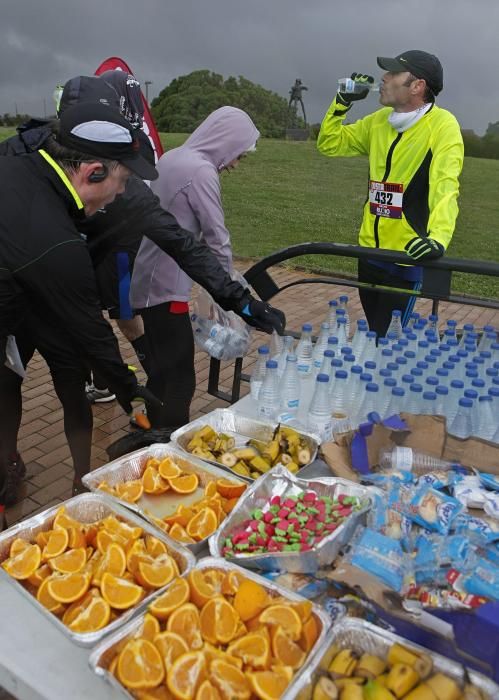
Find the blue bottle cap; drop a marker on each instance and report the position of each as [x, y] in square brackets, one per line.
[471, 394]
[370, 364]
[457, 384]
[383, 342]
[408, 379]
[356, 369]
[429, 396]
[432, 381]
[417, 388]
[371, 386]
[440, 389]
[398, 391]
[371, 334]
[271, 364]
[328, 353]
[341, 374]
[466, 403]
[332, 340]
[451, 323]
[333, 302]
[390, 382]
[441, 372]
[306, 327]
[323, 378]
[396, 313]
[263, 350]
[366, 377]
[392, 366]
[343, 299]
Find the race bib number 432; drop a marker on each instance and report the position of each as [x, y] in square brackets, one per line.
[386, 198]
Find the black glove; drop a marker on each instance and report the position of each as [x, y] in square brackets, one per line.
[139, 393]
[427, 248]
[346, 98]
[261, 315]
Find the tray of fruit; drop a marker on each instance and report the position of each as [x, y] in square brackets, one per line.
[219, 633]
[182, 495]
[89, 565]
[359, 661]
[246, 446]
[284, 523]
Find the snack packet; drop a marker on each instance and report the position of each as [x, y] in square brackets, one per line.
[382, 557]
[433, 509]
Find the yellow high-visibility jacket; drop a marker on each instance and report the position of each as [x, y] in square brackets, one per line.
[426, 159]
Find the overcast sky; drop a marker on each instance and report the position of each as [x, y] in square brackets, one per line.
[270, 42]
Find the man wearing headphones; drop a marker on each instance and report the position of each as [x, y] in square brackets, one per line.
[43, 258]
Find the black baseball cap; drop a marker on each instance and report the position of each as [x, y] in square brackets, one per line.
[99, 130]
[88, 88]
[420, 64]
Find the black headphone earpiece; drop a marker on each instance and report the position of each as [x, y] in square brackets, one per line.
[99, 175]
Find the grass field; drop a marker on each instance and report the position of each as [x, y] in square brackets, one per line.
[288, 193]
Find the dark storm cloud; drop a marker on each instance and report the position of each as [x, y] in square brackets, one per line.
[268, 41]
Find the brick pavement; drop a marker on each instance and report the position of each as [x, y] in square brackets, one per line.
[42, 441]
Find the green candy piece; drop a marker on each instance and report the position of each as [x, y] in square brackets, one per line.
[292, 515]
[300, 507]
[242, 546]
[292, 547]
[252, 538]
[257, 514]
[280, 532]
[312, 511]
[228, 542]
[274, 509]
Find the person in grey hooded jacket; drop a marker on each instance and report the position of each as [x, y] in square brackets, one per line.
[189, 188]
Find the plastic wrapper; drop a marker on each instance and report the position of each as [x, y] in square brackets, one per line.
[436, 555]
[277, 483]
[88, 508]
[480, 530]
[382, 557]
[490, 481]
[364, 637]
[482, 580]
[132, 467]
[102, 655]
[433, 509]
[491, 505]
[469, 492]
[241, 428]
[389, 521]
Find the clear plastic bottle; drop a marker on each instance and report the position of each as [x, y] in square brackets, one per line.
[386, 357]
[451, 325]
[456, 391]
[359, 337]
[258, 374]
[433, 324]
[331, 316]
[396, 403]
[429, 403]
[349, 86]
[276, 345]
[395, 324]
[407, 459]
[287, 349]
[369, 352]
[339, 396]
[327, 358]
[415, 398]
[423, 349]
[343, 303]
[412, 319]
[388, 384]
[289, 390]
[319, 412]
[268, 398]
[319, 347]
[442, 394]
[467, 329]
[304, 351]
[488, 337]
[341, 331]
[353, 386]
[370, 403]
[410, 356]
[332, 344]
[487, 421]
[461, 425]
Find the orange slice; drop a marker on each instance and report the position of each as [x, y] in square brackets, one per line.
[253, 649]
[283, 616]
[210, 489]
[57, 542]
[207, 691]
[76, 539]
[229, 504]
[67, 588]
[113, 561]
[40, 575]
[181, 516]
[287, 652]
[127, 532]
[140, 665]
[303, 608]
[250, 599]
[130, 491]
[231, 584]
[309, 635]
[229, 680]
[170, 647]
[63, 521]
[185, 622]
[24, 564]
[153, 482]
[155, 546]
[218, 621]
[18, 546]
[178, 533]
[201, 589]
[211, 652]
[69, 562]
[270, 685]
[168, 469]
[44, 598]
[41, 538]
[95, 615]
[187, 483]
[120, 593]
[150, 628]
[215, 577]
[203, 524]
[152, 462]
[230, 489]
[106, 488]
[186, 675]
[157, 573]
[135, 555]
[176, 595]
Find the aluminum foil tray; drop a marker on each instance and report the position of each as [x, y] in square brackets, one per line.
[241, 428]
[276, 483]
[132, 466]
[88, 508]
[353, 633]
[102, 655]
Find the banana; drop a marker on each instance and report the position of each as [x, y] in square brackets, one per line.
[195, 442]
[271, 451]
[206, 433]
[370, 666]
[444, 688]
[260, 464]
[422, 692]
[382, 679]
[344, 663]
[420, 662]
[401, 679]
[245, 453]
[228, 459]
[292, 467]
[375, 691]
[352, 692]
[304, 456]
[341, 683]
[241, 468]
[325, 689]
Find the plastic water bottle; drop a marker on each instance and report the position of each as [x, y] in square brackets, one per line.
[332, 344]
[487, 421]
[341, 331]
[385, 357]
[412, 319]
[442, 394]
[289, 390]
[319, 413]
[410, 356]
[359, 337]
[395, 324]
[431, 383]
[396, 403]
[385, 395]
[467, 329]
[370, 367]
[353, 386]
[349, 86]
[415, 398]
[451, 325]
[304, 351]
[339, 396]
[489, 336]
[429, 404]
[370, 403]
[287, 349]
[258, 374]
[423, 348]
[276, 344]
[325, 367]
[433, 324]
[407, 459]
[456, 391]
[331, 317]
[343, 303]
[369, 352]
[319, 347]
[461, 425]
[268, 398]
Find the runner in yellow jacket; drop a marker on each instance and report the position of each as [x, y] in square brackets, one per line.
[415, 154]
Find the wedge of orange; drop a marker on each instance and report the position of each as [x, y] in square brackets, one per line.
[230, 489]
[136, 553]
[44, 598]
[218, 621]
[140, 665]
[231, 683]
[66, 588]
[203, 524]
[120, 593]
[176, 595]
[181, 516]
[105, 538]
[41, 538]
[186, 675]
[212, 652]
[23, 565]
[130, 491]
[310, 634]
[76, 539]
[157, 573]
[270, 685]
[69, 562]
[57, 541]
[113, 561]
[229, 504]
[185, 622]
[18, 546]
[201, 589]
[43, 572]
[150, 628]
[168, 469]
[95, 615]
[63, 521]
[253, 649]
[231, 583]
[153, 462]
[210, 489]
[250, 599]
[178, 533]
[124, 530]
[153, 482]
[207, 691]
[154, 547]
[170, 647]
[285, 617]
[186, 483]
[285, 651]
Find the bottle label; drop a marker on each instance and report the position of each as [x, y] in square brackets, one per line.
[293, 403]
[402, 458]
[385, 199]
[304, 369]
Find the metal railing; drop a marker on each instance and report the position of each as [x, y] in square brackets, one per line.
[436, 285]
